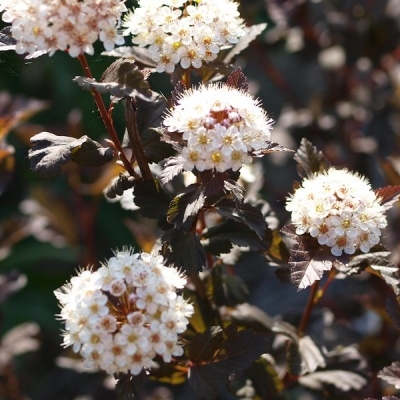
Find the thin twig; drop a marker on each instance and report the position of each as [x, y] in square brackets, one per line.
[108, 123]
[309, 307]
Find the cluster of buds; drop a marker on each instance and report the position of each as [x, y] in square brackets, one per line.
[221, 127]
[185, 32]
[340, 209]
[126, 313]
[63, 24]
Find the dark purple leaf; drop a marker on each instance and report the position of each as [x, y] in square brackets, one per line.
[179, 88]
[245, 213]
[309, 159]
[272, 148]
[393, 308]
[237, 80]
[388, 195]
[129, 386]
[118, 187]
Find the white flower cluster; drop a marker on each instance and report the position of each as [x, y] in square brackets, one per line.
[121, 316]
[63, 24]
[220, 125]
[189, 32]
[340, 209]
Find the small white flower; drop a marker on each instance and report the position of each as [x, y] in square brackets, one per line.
[220, 125]
[123, 315]
[340, 209]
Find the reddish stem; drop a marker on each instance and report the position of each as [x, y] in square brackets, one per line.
[309, 307]
[108, 123]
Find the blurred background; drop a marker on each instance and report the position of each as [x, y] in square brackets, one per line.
[326, 70]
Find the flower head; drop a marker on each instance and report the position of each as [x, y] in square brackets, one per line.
[220, 126]
[340, 210]
[124, 314]
[185, 32]
[63, 25]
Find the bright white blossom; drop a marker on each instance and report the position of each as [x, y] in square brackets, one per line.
[185, 32]
[63, 24]
[121, 316]
[221, 127]
[340, 210]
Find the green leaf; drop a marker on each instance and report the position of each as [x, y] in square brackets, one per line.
[309, 159]
[245, 213]
[237, 352]
[129, 386]
[50, 152]
[185, 205]
[183, 250]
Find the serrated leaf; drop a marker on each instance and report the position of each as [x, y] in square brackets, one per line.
[309, 159]
[237, 80]
[7, 42]
[172, 167]
[204, 346]
[379, 265]
[151, 199]
[234, 188]
[183, 250]
[391, 374]
[311, 356]
[238, 351]
[118, 187]
[50, 152]
[251, 33]
[186, 204]
[388, 196]
[249, 315]
[385, 398]
[308, 259]
[342, 380]
[245, 213]
[129, 386]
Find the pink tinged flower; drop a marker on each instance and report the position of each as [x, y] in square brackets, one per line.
[340, 244]
[368, 240]
[108, 323]
[117, 288]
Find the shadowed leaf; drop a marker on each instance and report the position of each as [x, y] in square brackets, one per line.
[204, 346]
[176, 93]
[309, 159]
[118, 187]
[139, 54]
[237, 352]
[129, 386]
[393, 308]
[245, 213]
[388, 195]
[50, 152]
[183, 251]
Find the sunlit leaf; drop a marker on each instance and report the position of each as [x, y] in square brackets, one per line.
[309, 260]
[172, 167]
[388, 195]
[391, 374]
[139, 54]
[342, 380]
[50, 152]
